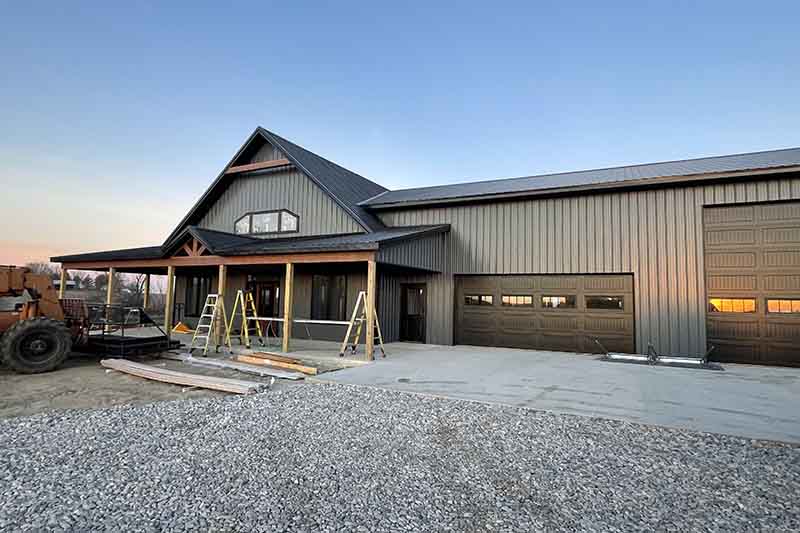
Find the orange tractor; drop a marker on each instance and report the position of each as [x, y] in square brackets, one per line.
[34, 335]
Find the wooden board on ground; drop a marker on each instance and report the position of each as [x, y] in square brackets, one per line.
[280, 364]
[277, 357]
[183, 378]
[232, 365]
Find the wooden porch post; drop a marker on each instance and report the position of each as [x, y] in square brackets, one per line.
[169, 300]
[222, 280]
[110, 286]
[370, 308]
[288, 298]
[63, 286]
[146, 291]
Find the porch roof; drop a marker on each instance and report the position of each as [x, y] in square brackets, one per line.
[228, 244]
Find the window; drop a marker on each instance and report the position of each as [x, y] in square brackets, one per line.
[288, 221]
[264, 223]
[613, 303]
[559, 302]
[478, 299]
[731, 305]
[242, 225]
[517, 300]
[328, 297]
[783, 305]
[197, 288]
[267, 222]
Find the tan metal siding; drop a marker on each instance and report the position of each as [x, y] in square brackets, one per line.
[286, 189]
[657, 235]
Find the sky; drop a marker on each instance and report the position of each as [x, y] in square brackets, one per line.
[117, 116]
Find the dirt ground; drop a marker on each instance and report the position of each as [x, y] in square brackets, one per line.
[82, 383]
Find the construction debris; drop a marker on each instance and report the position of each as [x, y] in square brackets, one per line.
[654, 358]
[180, 327]
[234, 386]
[232, 365]
[264, 359]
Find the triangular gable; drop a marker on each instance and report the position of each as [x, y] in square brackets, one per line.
[264, 149]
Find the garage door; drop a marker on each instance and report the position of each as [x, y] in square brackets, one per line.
[559, 312]
[752, 258]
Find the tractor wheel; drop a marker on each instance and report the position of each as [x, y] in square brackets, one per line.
[35, 345]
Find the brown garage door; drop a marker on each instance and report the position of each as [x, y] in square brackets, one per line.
[752, 261]
[559, 312]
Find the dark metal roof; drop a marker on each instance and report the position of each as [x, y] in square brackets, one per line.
[146, 252]
[226, 244]
[627, 176]
[345, 187]
[335, 243]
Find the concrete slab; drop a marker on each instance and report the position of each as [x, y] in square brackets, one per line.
[744, 400]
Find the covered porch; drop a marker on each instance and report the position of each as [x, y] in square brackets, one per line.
[304, 289]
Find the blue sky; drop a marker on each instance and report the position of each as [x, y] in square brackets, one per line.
[116, 116]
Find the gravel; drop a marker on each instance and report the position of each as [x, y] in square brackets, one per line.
[342, 458]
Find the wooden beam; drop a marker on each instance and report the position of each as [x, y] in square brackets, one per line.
[279, 364]
[169, 303]
[146, 292]
[222, 280]
[187, 249]
[261, 165]
[370, 307]
[110, 286]
[288, 300]
[215, 260]
[63, 286]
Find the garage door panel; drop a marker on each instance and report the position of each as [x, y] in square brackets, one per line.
[526, 323]
[752, 254]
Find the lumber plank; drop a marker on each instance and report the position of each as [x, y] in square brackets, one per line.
[233, 365]
[183, 378]
[277, 357]
[280, 364]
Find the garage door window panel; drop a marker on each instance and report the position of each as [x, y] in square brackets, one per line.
[478, 299]
[731, 305]
[517, 300]
[783, 305]
[559, 302]
[605, 303]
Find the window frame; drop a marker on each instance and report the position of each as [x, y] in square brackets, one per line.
[482, 300]
[781, 299]
[341, 307]
[721, 312]
[603, 309]
[197, 309]
[574, 305]
[280, 212]
[516, 305]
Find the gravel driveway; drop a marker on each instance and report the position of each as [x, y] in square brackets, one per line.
[341, 458]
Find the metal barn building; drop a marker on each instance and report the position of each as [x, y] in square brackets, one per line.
[681, 254]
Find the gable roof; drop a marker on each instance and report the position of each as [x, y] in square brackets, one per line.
[344, 187]
[626, 176]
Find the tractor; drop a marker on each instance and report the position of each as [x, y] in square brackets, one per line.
[34, 335]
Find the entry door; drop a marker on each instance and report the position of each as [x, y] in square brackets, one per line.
[266, 298]
[412, 315]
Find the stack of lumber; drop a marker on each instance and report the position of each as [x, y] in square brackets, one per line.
[277, 360]
[210, 362]
[182, 378]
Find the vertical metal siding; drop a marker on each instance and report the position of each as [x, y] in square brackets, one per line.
[657, 235]
[287, 189]
[425, 253]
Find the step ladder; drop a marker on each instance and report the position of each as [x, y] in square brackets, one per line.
[246, 307]
[357, 320]
[212, 318]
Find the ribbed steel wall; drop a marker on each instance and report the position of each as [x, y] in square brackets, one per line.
[655, 234]
[429, 253]
[286, 189]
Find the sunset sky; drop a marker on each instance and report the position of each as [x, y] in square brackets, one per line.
[116, 116]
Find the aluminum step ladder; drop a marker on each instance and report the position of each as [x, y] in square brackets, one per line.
[212, 315]
[358, 319]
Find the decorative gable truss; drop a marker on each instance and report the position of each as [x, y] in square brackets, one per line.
[192, 248]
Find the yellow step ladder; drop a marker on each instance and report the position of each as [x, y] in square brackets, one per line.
[245, 306]
[357, 320]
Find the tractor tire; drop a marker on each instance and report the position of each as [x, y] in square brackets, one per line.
[35, 345]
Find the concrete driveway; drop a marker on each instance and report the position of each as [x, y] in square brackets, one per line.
[744, 400]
